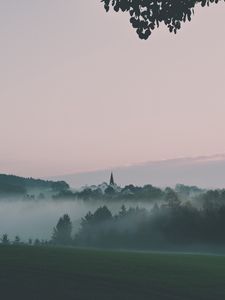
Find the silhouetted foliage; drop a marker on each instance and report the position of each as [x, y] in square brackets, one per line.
[88, 194]
[17, 240]
[5, 240]
[64, 194]
[11, 185]
[102, 214]
[171, 224]
[147, 192]
[129, 193]
[11, 189]
[62, 232]
[110, 191]
[171, 198]
[37, 242]
[146, 15]
[59, 186]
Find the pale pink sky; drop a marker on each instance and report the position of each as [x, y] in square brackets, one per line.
[79, 91]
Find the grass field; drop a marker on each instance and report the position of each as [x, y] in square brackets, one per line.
[67, 273]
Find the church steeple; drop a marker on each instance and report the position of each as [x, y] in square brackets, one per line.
[111, 182]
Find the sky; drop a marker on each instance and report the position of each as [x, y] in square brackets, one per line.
[79, 91]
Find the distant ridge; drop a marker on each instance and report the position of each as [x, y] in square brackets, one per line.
[203, 171]
[12, 184]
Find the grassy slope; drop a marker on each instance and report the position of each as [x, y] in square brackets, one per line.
[66, 273]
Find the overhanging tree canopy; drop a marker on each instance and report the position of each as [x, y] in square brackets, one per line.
[145, 15]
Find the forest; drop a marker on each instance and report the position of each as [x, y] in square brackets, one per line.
[171, 223]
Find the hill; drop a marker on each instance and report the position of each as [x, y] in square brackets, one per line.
[67, 273]
[11, 184]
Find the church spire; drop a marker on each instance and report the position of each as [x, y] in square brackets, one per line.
[111, 182]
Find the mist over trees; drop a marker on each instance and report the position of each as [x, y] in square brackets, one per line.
[129, 193]
[14, 185]
[146, 15]
[149, 218]
[170, 224]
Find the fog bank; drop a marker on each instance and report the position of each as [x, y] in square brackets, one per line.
[36, 219]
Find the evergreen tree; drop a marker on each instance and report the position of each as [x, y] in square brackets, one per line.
[63, 231]
[16, 240]
[5, 240]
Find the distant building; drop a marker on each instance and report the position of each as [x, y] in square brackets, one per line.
[111, 182]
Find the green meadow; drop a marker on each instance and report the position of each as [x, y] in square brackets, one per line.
[68, 273]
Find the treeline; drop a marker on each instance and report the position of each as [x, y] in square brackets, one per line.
[130, 192]
[171, 224]
[4, 240]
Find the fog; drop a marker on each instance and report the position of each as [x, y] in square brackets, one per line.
[36, 219]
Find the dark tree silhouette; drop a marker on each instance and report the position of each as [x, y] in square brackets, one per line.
[37, 242]
[5, 240]
[171, 198]
[62, 232]
[145, 15]
[17, 240]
